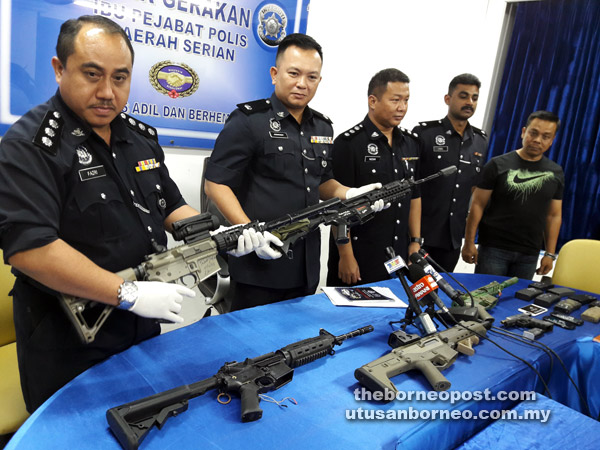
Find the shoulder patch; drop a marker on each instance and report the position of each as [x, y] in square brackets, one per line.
[49, 132]
[139, 126]
[322, 116]
[255, 106]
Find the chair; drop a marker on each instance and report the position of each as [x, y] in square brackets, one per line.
[12, 405]
[577, 265]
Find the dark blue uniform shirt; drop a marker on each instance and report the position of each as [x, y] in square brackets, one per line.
[274, 166]
[362, 155]
[445, 200]
[59, 180]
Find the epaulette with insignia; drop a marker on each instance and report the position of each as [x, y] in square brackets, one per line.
[406, 132]
[430, 123]
[140, 127]
[255, 106]
[479, 131]
[48, 134]
[321, 116]
[350, 132]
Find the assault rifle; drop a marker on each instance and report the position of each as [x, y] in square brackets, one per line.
[131, 422]
[487, 296]
[430, 355]
[198, 255]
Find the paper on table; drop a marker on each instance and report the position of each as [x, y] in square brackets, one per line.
[372, 296]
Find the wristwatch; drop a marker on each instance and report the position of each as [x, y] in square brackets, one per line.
[127, 295]
[552, 256]
[418, 240]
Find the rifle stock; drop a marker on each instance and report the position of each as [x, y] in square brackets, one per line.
[198, 255]
[131, 422]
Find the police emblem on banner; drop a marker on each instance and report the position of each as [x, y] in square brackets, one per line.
[272, 23]
[84, 156]
[440, 140]
[173, 79]
[275, 125]
[372, 149]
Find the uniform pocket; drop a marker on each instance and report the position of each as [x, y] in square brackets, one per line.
[278, 160]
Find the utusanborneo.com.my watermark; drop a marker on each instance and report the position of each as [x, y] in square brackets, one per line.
[410, 413]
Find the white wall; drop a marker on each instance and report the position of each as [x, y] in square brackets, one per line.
[430, 40]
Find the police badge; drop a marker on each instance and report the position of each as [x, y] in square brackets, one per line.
[275, 125]
[440, 140]
[84, 156]
[372, 149]
[271, 28]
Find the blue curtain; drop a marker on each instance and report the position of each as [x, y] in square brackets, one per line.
[553, 63]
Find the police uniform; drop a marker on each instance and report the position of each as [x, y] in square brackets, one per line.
[274, 166]
[362, 155]
[445, 200]
[59, 180]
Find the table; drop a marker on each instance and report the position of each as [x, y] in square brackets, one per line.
[75, 416]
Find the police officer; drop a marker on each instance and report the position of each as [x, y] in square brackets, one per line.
[273, 157]
[376, 150]
[85, 193]
[447, 142]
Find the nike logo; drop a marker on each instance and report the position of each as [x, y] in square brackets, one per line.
[518, 180]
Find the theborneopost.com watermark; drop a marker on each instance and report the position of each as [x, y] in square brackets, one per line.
[412, 413]
[363, 394]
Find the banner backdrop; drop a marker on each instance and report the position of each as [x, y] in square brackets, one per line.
[194, 60]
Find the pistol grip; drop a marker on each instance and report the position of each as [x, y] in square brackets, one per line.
[433, 375]
[250, 409]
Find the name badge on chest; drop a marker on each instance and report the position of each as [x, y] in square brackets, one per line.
[372, 158]
[92, 172]
[440, 148]
[278, 135]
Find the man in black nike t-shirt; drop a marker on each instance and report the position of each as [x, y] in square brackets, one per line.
[517, 206]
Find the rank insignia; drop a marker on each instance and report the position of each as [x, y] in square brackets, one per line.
[78, 132]
[321, 139]
[147, 164]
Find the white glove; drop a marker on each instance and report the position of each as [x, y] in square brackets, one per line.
[265, 251]
[354, 192]
[248, 241]
[157, 300]
[379, 205]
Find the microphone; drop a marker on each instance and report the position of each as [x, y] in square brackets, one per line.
[425, 285]
[423, 259]
[397, 266]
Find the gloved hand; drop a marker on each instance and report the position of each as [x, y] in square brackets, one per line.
[265, 251]
[379, 205]
[157, 300]
[248, 241]
[354, 192]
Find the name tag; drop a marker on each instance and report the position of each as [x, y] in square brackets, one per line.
[372, 158]
[278, 135]
[440, 148]
[92, 172]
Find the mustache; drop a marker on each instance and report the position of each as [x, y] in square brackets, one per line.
[103, 105]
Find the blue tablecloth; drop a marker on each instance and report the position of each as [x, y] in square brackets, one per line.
[566, 429]
[75, 416]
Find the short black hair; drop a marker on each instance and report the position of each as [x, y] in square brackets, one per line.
[65, 45]
[543, 115]
[464, 78]
[383, 77]
[303, 41]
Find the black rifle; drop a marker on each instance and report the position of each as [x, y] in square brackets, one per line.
[198, 256]
[131, 422]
